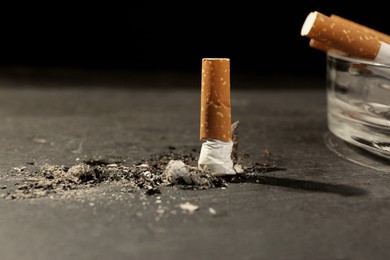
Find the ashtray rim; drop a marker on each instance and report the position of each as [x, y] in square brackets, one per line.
[340, 56]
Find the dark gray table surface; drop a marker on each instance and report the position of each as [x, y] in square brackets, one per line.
[318, 205]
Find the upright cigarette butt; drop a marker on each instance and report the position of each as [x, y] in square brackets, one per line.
[341, 36]
[380, 36]
[215, 112]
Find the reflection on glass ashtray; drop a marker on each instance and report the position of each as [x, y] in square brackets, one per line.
[356, 154]
[358, 100]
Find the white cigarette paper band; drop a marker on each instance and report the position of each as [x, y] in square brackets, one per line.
[215, 118]
[215, 156]
[345, 37]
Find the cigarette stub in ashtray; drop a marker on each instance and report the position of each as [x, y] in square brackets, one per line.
[215, 117]
[345, 37]
[380, 36]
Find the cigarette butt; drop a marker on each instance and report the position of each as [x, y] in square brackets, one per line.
[318, 45]
[343, 36]
[323, 47]
[215, 112]
[380, 36]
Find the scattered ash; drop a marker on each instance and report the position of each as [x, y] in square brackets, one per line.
[169, 169]
[147, 175]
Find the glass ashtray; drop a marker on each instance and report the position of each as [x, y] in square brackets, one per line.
[358, 102]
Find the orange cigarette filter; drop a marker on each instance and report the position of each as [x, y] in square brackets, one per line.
[380, 36]
[215, 111]
[323, 47]
[319, 45]
[341, 36]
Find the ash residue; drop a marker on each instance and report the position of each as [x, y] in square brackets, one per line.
[169, 169]
[148, 175]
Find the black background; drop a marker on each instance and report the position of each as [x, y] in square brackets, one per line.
[260, 37]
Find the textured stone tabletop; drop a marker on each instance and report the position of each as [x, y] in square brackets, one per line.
[313, 205]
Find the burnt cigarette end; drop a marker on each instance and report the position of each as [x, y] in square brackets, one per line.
[215, 112]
